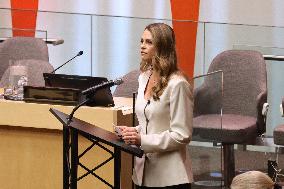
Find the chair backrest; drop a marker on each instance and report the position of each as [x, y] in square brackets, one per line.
[35, 68]
[129, 85]
[18, 48]
[244, 80]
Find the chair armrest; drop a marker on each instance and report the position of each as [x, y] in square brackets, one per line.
[265, 108]
[261, 118]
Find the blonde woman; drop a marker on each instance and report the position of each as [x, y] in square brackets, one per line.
[164, 109]
[252, 180]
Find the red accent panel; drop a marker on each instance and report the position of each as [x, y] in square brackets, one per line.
[185, 32]
[24, 19]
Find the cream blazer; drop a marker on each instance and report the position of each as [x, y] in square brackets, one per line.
[166, 159]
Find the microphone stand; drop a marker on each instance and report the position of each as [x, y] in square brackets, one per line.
[93, 91]
[79, 54]
[64, 64]
[133, 125]
[66, 137]
[133, 108]
[69, 119]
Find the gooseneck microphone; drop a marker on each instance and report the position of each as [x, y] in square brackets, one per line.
[106, 84]
[79, 54]
[91, 90]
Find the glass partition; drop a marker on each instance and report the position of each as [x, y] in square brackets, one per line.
[206, 149]
[116, 44]
[111, 46]
[8, 33]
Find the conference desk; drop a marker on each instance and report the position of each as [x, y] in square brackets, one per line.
[31, 145]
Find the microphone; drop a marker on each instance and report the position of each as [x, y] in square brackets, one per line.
[79, 54]
[106, 84]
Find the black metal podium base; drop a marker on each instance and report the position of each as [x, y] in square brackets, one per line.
[96, 135]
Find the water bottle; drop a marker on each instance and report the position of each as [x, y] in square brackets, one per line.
[17, 80]
[23, 81]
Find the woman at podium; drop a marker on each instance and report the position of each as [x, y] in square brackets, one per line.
[164, 109]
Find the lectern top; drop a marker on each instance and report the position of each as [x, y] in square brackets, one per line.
[97, 133]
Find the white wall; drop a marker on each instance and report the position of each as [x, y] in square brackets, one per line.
[147, 9]
[111, 44]
[255, 12]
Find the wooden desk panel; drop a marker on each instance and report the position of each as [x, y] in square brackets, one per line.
[31, 146]
[18, 113]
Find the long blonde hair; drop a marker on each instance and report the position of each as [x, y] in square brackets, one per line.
[252, 180]
[164, 62]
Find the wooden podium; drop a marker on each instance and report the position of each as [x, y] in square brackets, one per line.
[31, 145]
[98, 137]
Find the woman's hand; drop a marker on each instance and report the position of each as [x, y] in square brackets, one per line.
[130, 135]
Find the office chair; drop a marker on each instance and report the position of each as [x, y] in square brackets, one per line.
[244, 93]
[35, 70]
[129, 85]
[19, 48]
